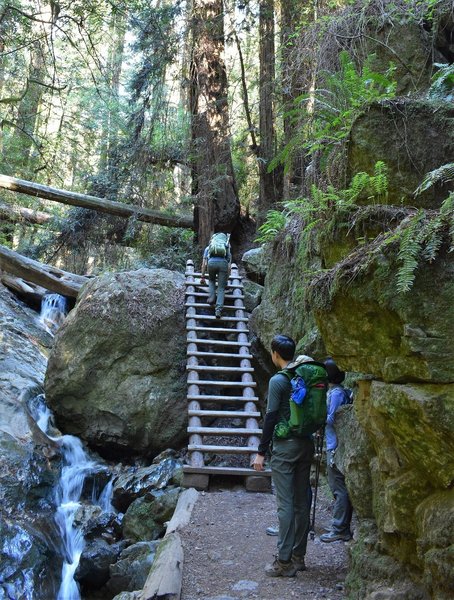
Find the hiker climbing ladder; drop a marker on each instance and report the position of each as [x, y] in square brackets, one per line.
[222, 402]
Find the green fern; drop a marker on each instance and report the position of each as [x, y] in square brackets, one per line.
[447, 215]
[442, 175]
[275, 223]
[410, 247]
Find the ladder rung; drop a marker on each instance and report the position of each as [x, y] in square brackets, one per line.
[219, 355]
[230, 286]
[225, 471]
[217, 342]
[225, 414]
[223, 399]
[220, 369]
[200, 382]
[205, 294]
[199, 274]
[222, 449]
[224, 431]
[217, 329]
[199, 317]
[205, 305]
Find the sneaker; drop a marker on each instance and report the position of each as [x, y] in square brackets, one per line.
[272, 531]
[332, 536]
[280, 568]
[298, 562]
[211, 300]
[218, 313]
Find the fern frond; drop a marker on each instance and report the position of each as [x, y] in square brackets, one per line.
[443, 174]
[410, 247]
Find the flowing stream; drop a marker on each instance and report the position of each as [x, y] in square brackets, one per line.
[53, 312]
[77, 465]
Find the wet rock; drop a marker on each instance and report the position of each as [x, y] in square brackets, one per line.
[130, 571]
[116, 374]
[29, 461]
[145, 518]
[97, 556]
[137, 482]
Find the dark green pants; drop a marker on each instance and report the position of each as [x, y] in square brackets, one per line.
[218, 267]
[290, 466]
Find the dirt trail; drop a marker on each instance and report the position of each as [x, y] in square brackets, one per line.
[226, 549]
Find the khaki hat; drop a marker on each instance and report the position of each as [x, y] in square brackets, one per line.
[299, 360]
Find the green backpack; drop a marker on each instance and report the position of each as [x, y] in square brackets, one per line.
[218, 245]
[307, 401]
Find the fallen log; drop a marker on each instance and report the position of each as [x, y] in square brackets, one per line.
[32, 293]
[19, 214]
[92, 202]
[51, 278]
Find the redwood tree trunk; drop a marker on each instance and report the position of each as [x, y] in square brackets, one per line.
[270, 182]
[217, 204]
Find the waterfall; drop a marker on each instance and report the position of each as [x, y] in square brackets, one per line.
[53, 312]
[76, 467]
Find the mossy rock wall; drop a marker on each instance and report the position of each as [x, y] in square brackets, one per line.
[412, 137]
[281, 309]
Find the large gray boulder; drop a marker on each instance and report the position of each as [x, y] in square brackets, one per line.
[116, 374]
[29, 462]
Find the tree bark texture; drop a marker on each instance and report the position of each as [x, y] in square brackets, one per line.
[217, 207]
[19, 214]
[292, 12]
[100, 204]
[270, 182]
[43, 275]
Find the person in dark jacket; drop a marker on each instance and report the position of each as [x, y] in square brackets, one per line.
[290, 466]
[342, 514]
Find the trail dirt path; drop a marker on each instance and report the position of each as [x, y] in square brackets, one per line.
[226, 549]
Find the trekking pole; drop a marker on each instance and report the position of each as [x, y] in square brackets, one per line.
[318, 459]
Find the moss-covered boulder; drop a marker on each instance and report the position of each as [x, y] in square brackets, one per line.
[116, 373]
[369, 328]
[410, 453]
[412, 137]
[145, 517]
[281, 310]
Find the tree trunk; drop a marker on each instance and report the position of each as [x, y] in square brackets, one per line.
[217, 206]
[19, 214]
[24, 141]
[100, 204]
[46, 276]
[109, 137]
[270, 182]
[303, 12]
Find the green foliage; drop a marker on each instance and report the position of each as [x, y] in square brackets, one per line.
[323, 119]
[442, 87]
[421, 239]
[443, 174]
[275, 223]
[328, 205]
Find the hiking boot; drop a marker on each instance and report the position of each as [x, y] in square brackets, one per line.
[218, 313]
[211, 300]
[279, 568]
[298, 562]
[332, 536]
[272, 531]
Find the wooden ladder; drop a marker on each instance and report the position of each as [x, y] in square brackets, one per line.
[222, 402]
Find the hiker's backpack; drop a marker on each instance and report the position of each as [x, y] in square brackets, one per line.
[218, 246]
[309, 383]
[348, 396]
